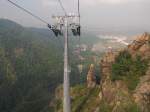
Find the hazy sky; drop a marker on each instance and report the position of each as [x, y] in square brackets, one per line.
[94, 13]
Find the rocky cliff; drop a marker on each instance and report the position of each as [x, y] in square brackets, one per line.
[140, 46]
[116, 93]
[124, 85]
[91, 79]
[142, 92]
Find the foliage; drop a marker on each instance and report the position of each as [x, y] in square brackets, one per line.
[128, 69]
[128, 106]
[132, 108]
[82, 99]
[104, 107]
[122, 64]
[86, 102]
[29, 68]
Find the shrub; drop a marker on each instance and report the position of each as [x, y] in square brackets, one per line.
[128, 69]
[122, 65]
[104, 107]
[132, 108]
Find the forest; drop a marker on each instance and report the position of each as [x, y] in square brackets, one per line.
[31, 67]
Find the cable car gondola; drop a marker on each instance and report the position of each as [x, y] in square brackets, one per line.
[57, 31]
[75, 29]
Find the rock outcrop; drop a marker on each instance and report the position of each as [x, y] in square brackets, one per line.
[110, 91]
[117, 93]
[115, 96]
[91, 79]
[140, 46]
[105, 66]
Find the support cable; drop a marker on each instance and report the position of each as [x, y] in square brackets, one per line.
[36, 17]
[79, 27]
[62, 7]
[79, 10]
[25, 10]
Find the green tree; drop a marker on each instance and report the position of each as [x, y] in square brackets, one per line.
[129, 69]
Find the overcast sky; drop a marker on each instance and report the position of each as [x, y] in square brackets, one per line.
[94, 13]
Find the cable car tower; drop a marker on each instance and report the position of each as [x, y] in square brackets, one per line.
[65, 23]
[62, 26]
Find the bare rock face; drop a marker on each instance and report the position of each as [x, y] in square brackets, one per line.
[117, 93]
[105, 66]
[142, 92]
[141, 46]
[107, 87]
[91, 79]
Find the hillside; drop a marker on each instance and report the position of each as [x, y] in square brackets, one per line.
[124, 85]
[27, 68]
[30, 71]
[31, 66]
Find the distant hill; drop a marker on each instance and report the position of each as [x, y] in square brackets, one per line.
[31, 66]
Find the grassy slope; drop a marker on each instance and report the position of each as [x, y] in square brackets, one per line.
[83, 99]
